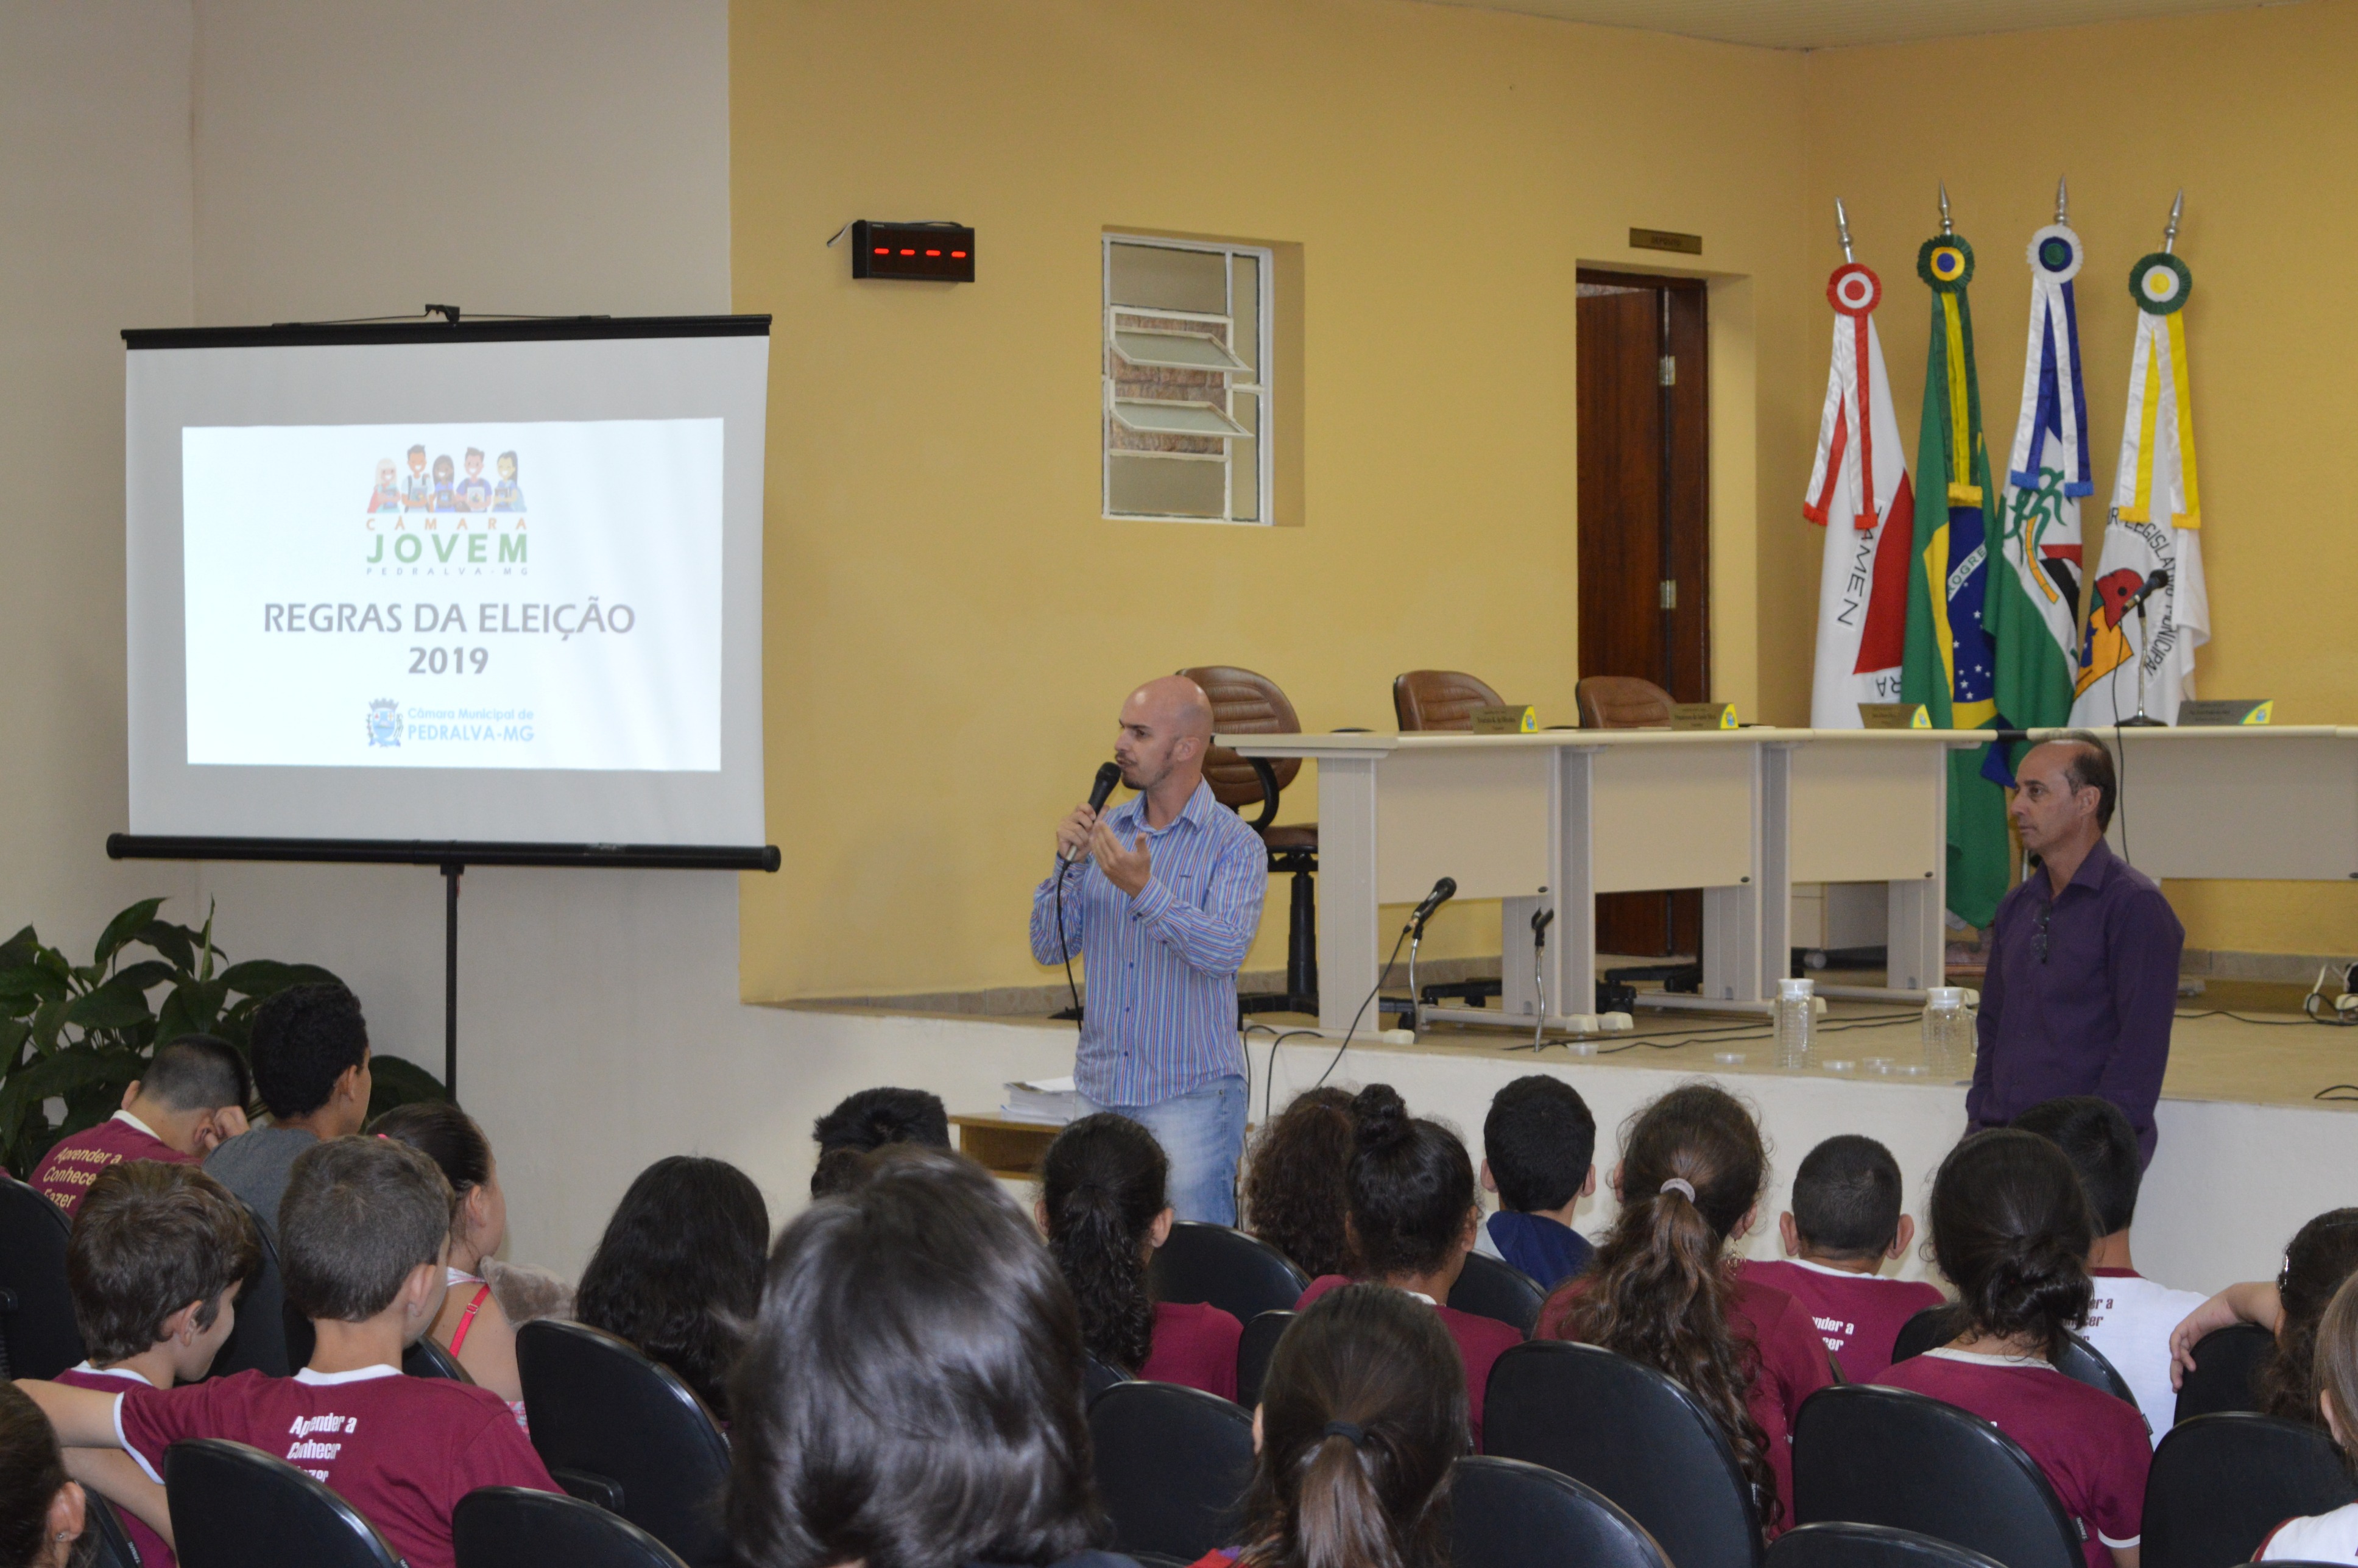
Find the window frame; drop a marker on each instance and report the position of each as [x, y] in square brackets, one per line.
[1261, 387]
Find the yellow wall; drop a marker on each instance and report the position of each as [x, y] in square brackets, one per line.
[2250, 111]
[952, 625]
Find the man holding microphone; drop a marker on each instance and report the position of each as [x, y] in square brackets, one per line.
[1160, 897]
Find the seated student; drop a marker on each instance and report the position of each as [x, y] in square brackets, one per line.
[471, 1326]
[312, 1068]
[1539, 1148]
[1844, 1224]
[867, 1121]
[679, 1271]
[1361, 1416]
[189, 1101]
[2323, 1253]
[1104, 1208]
[42, 1514]
[910, 1394]
[362, 1233]
[1661, 1290]
[2329, 1537]
[2010, 1230]
[1297, 1183]
[1412, 1219]
[2130, 1316]
[158, 1256]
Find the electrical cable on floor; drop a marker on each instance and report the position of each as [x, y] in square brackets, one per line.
[1381, 975]
[1268, 1081]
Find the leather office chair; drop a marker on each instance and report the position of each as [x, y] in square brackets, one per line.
[2221, 1483]
[1172, 1464]
[1488, 1288]
[2227, 1364]
[1504, 1513]
[514, 1527]
[39, 1337]
[1622, 702]
[1865, 1546]
[1244, 703]
[236, 1507]
[1439, 699]
[1242, 1275]
[1254, 1348]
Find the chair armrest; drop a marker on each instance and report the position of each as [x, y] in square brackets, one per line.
[1268, 777]
[591, 1488]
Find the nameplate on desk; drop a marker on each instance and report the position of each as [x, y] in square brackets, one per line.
[1894, 716]
[1506, 718]
[1703, 716]
[2223, 710]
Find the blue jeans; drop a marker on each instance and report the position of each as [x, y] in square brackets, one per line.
[1202, 1135]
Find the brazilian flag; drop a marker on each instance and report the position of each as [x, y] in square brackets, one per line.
[1951, 665]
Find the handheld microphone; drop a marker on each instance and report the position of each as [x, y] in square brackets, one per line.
[2153, 583]
[1108, 775]
[1443, 891]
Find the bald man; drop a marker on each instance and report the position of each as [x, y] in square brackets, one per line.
[2082, 981]
[1160, 896]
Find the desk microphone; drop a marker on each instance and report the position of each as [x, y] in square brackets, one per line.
[1108, 775]
[2153, 583]
[1443, 891]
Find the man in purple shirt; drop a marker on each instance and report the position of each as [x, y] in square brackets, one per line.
[2083, 956]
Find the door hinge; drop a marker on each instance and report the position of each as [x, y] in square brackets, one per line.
[1670, 370]
[1669, 593]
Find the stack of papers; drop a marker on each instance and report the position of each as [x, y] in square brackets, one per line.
[1053, 1101]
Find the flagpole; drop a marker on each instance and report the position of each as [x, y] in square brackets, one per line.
[1842, 224]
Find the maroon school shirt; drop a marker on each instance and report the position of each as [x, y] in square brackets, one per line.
[66, 1172]
[1789, 1363]
[2093, 1446]
[1195, 1343]
[153, 1552]
[1858, 1315]
[1480, 1342]
[401, 1450]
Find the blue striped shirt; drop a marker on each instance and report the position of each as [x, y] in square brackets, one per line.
[1159, 1020]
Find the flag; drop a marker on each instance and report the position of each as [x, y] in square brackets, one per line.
[1859, 494]
[1950, 666]
[2156, 523]
[2033, 613]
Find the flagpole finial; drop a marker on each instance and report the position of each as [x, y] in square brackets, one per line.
[1842, 224]
[2062, 201]
[2169, 234]
[1946, 227]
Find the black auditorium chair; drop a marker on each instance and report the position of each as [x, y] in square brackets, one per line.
[1242, 1275]
[1488, 1288]
[1258, 1343]
[1933, 1326]
[236, 1507]
[1098, 1375]
[1504, 1513]
[258, 1342]
[2221, 1483]
[115, 1548]
[1634, 1435]
[1171, 1465]
[2226, 1374]
[1246, 703]
[2077, 1360]
[514, 1526]
[424, 1360]
[37, 1321]
[1864, 1453]
[1832, 1545]
[623, 1432]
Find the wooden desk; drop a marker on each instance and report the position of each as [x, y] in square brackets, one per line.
[1005, 1146]
[2262, 803]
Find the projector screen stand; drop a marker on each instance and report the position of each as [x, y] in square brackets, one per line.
[452, 858]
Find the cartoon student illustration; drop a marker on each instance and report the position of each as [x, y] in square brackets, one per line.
[509, 495]
[474, 491]
[418, 494]
[387, 496]
[445, 499]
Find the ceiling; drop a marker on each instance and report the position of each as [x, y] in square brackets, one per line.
[1838, 23]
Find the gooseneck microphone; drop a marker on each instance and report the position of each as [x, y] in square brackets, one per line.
[2153, 583]
[1443, 891]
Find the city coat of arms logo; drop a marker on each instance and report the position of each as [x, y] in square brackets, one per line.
[384, 722]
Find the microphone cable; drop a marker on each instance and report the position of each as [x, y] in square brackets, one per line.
[1080, 1019]
[1381, 975]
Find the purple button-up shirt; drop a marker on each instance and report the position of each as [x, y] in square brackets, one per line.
[2079, 995]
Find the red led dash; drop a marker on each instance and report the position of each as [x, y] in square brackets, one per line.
[917, 252]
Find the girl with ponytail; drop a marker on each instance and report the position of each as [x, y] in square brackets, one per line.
[1104, 1210]
[1410, 1218]
[1663, 1291]
[1361, 1416]
[2011, 1229]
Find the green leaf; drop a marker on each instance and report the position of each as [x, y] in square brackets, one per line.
[268, 977]
[143, 976]
[111, 1006]
[51, 959]
[48, 1021]
[123, 928]
[25, 984]
[177, 942]
[191, 1008]
[19, 949]
[399, 1081]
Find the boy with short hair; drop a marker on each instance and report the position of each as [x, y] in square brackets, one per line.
[1539, 1152]
[311, 1069]
[867, 1120]
[2130, 1318]
[1846, 1222]
[189, 1101]
[363, 1232]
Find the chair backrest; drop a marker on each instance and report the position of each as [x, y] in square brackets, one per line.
[1488, 1288]
[1258, 1343]
[2221, 1482]
[1933, 1326]
[1173, 1464]
[1242, 1275]
[1864, 1453]
[1833, 1545]
[236, 1507]
[1439, 699]
[427, 1359]
[115, 1548]
[2077, 1360]
[600, 1411]
[2226, 1374]
[1622, 702]
[1504, 1513]
[37, 1320]
[1631, 1434]
[1244, 703]
[514, 1527]
[1098, 1375]
[258, 1342]
[2083, 1363]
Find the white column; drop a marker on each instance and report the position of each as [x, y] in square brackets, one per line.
[1571, 882]
[1346, 891]
[1776, 865]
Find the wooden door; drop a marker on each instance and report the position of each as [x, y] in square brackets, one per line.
[1644, 525]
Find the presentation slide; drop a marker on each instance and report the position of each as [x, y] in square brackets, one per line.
[537, 595]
